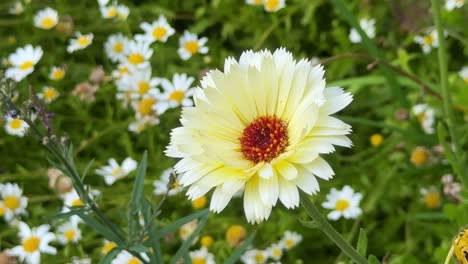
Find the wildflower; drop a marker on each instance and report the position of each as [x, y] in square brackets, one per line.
[159, 30]
[431, 197]
[255, 2]
[261, 124]
[419, 156]
[116, 46]
[343, 203]
[199, 202]
[13, 200]
[122, 70]
[125, 257]
[147, 106]
[401, 114]
[190, 44]
[17, 8]
[58, 181]
[69, 232]
[235, 235]
[460, 245]
[138, 54]
[108, 12]
[102, 2]
[206, 241]
[47, 18]
[16, 126]
[201, 256]
[290, 239]
[187, 229]
[274, 5]
[161, 186]
[254, 256]
[428, 41]
[34, 241]
[176, 93]
[376, 140]
[48, 94]
[56, 73]
[452, 189]
[141, 124]
[23, 61]
[452, 4]
[463, 73]
[139, 83]
[367, 25]
[275, 251]
[425, 115]
[108, 246]
[122, 12]
[114, 171]
[85, 91]
[72, 199]
[66, 26]
[97, 75]
[76, 260]
[81, 42]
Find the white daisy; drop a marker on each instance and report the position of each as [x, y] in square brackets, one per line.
[69, 232]
[344, 203]
[16, 126]
[160, 186]
[290, 239]
[428, 40]
[202, 256]
[124, 257]
[138, 54]
[139, 83]
[141, 124]
[176, 93]
[274, 5]
[122, 70]
[108, 12]
[13, 201]
[255, 2]
[17, 8]
[102, 2]
[76, 260]
[262, 124]
[34, 241]
[452, 4]
[254, 256]
[122, 12]
[426, 118]
[463, 73]
[48, 94]
[159, 30]
[367, 25]
[114, 171]
[56, 73]
[190, 44]
[80, 42]
[116, 46]
[147, 106]
[46, 18]
[275, 251]
[23, 61]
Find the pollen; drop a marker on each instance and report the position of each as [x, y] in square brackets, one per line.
[341, 205]
[26, 65]
[264, 139]
[11, 202]
[177, 96]
[31, 244]
[192, 46]
[159, 33]
[136, 58]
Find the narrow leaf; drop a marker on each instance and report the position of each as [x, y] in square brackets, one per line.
[107, 259]
[235, 256]
[362, 242]
[178, 223]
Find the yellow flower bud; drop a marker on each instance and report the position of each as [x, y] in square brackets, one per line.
[235, 235]
[376, 140]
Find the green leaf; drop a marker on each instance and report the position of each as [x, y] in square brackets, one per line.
[85, 172]
[137, 193]
[373, 260]
[362, 242]
[100, 228]
[178, 223]
[107, 259]
[235, 256]
[72, 212]
[139, 248]
[310, 223]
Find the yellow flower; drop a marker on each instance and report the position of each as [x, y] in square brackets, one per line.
[235, 235]
[419, 156]
[199, 202]
[207, 241]
[376, 140]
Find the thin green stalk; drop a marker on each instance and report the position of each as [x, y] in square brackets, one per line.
[447, 100]
[328, 229]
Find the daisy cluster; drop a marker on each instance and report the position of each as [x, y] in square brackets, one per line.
[274, 252]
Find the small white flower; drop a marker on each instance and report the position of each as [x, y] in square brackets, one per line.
[72, 199]
[367, 25]
[23, 61]
[80, 42]
[114, 171]
[125, 257]
[14, 203]
[69, 232]
[138, 54]
[102, 2]
[176, 93]
[254, 256]
[159, 30]
[290, 239]
[17, 8]
[122, 12]
[202, 256]
[108, 12]
[56, 73]
[122, 70]
[46, 18]
[116, 46]
[187, 229]
[160, 186]
[426, 118]
[16, 126]
[343, 203]
[274, 5]
[76, 260]
[48, 94]
[190, 44]
[428, 41]
[452, 4]
[463, 73]
[141, 124]
[34, 241]
[255, 2]
[275, 251]
[139, 83]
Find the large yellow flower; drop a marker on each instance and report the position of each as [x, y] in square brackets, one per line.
[261, 124]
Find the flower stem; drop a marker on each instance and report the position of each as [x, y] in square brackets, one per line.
[331, 232]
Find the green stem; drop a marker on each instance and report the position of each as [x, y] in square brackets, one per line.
[328, 229]
[447, 100]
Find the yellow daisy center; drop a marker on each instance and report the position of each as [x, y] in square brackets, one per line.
[143, 87]
[111, 12]
[207, 241]
[83, 41]
[70, 234]
[175, 185]
[11, 202]
[116, 172]
[58, 74]
[47, 22]
[16, 123]
[124, 70]
[177, 95]
[50, 93]
[77, 202]
[289, 243]
[272, 4]
[192, 46]
[159, 33]
[428, 39]
[258, 2]
[235, 235]
[31, 244]
[200, 202]
[136, 58]
[264, 139]
[259, 258]
[276, 252]
[341, 205]
[419, 156]
[134, 261]
[432, 200]
[108, 247]
[26, 65]
[198, 261]
[146, 106]
[118, 47]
